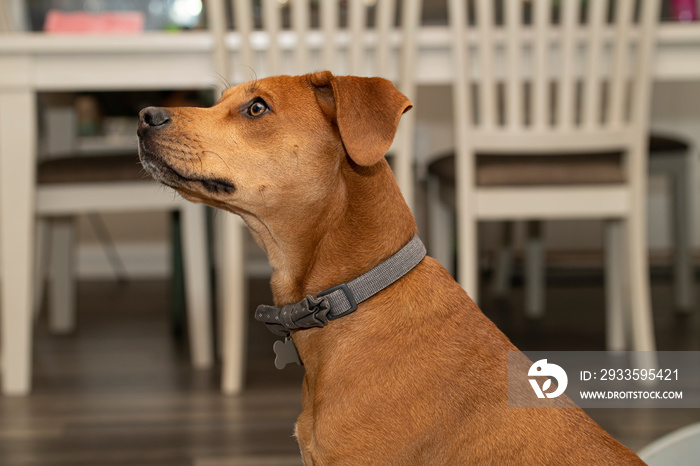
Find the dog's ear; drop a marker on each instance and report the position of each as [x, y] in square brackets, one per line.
[366, 110]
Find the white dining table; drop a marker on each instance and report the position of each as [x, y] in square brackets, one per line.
[36, 62]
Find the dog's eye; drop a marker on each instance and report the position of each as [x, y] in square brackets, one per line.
[257, 108]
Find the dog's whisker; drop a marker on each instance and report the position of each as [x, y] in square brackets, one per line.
[227, 83]
[223, 83]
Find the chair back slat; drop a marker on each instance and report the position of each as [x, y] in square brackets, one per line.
[271, 25]
[384, 25]
[357, 24]
[616, 96]
[565, 105]
[591, 96]
[300, 19]
[461, 85]
[486, 84]
[410, 22]
[514, 80]
[575, 67]
[243, 22]
[539, 102]
[329, 27]
[641, 90]
[216, 18]
[405, 137]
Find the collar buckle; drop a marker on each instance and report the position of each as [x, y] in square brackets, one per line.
[348, 295]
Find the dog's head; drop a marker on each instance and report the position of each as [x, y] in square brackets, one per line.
[272, 142]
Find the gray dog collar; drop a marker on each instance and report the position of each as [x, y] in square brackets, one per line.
[343, 299]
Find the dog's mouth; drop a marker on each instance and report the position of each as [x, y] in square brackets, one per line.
[165, 173]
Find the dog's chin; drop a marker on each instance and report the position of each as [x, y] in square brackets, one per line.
[160, 171]
[170, 176]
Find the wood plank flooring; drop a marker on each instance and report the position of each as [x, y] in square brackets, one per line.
[120, 391]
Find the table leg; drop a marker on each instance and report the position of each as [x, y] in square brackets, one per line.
[17, 177]
[232, 302]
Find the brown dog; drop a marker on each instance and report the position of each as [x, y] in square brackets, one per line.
[417, 375]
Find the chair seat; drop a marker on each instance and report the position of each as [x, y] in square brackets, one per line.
[91, 169]
[520, 170]
[553, 169]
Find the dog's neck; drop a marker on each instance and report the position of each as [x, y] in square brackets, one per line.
[321, 248]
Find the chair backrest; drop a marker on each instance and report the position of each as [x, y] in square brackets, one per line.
[346, 37]
[552, 76]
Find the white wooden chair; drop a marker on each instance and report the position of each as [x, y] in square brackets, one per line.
[549, 94]
[302, 36]
[71, 186]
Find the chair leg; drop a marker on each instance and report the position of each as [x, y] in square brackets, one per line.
[62, 288]
[682, 215]
[467, 250]
[441, 227]
[503, 270]
[615, 287]
[534, 271]
[197, 289]
[41, 262]
[232, 299]
[642, 324]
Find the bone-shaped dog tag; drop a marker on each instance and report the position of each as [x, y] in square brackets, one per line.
[286, 353]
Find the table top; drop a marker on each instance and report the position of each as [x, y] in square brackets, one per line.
[162, 60]
[156, 41]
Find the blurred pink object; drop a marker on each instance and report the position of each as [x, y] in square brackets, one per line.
[113, 22]
[684, 10]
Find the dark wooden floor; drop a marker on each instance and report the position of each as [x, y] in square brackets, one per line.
[120, 390]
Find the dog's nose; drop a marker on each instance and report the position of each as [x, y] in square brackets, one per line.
[153, 117]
